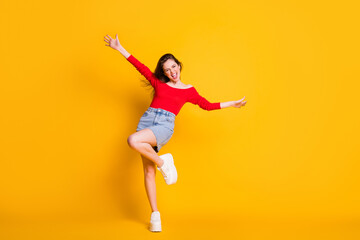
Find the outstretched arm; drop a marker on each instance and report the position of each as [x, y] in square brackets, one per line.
[196, 98]
[115, 44]
[237, 104]
[144, 70]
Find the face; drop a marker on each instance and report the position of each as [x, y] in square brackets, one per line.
[172, 70]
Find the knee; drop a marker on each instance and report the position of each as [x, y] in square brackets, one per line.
[132, 141]
[150, 172]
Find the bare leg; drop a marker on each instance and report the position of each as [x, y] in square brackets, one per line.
[142, 141]
[149, 179]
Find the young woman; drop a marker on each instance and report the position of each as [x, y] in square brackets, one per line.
[156, 126]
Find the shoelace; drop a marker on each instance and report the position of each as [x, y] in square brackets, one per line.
[164, 172]
[155, 219]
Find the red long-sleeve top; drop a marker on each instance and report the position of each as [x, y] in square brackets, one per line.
[169, 98]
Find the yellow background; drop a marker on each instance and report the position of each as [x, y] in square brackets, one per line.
[286, 166]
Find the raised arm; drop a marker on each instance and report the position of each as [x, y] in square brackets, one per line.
[115, 44]
[144, 70]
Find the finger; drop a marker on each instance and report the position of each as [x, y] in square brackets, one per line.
[116, 36]
[108, 36]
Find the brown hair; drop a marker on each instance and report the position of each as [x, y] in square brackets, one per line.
[159, 71]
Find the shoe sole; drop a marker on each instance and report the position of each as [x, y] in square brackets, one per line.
[155, 227]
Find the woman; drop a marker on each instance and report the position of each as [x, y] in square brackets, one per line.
[156, 126]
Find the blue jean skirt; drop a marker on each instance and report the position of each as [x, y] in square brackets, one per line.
[161, 122]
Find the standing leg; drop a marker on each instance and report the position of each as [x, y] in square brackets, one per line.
[142, 141]
[149, 179]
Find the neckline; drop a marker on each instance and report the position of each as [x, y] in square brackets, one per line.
[178, 88]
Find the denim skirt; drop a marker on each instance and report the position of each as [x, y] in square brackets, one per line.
[161, 122]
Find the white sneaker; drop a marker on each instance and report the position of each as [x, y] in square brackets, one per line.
[155, 222]
[168, 169]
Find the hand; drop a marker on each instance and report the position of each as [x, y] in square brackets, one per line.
[113, 43]
[239, 103]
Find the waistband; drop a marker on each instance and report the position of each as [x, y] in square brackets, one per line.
[161, 111]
